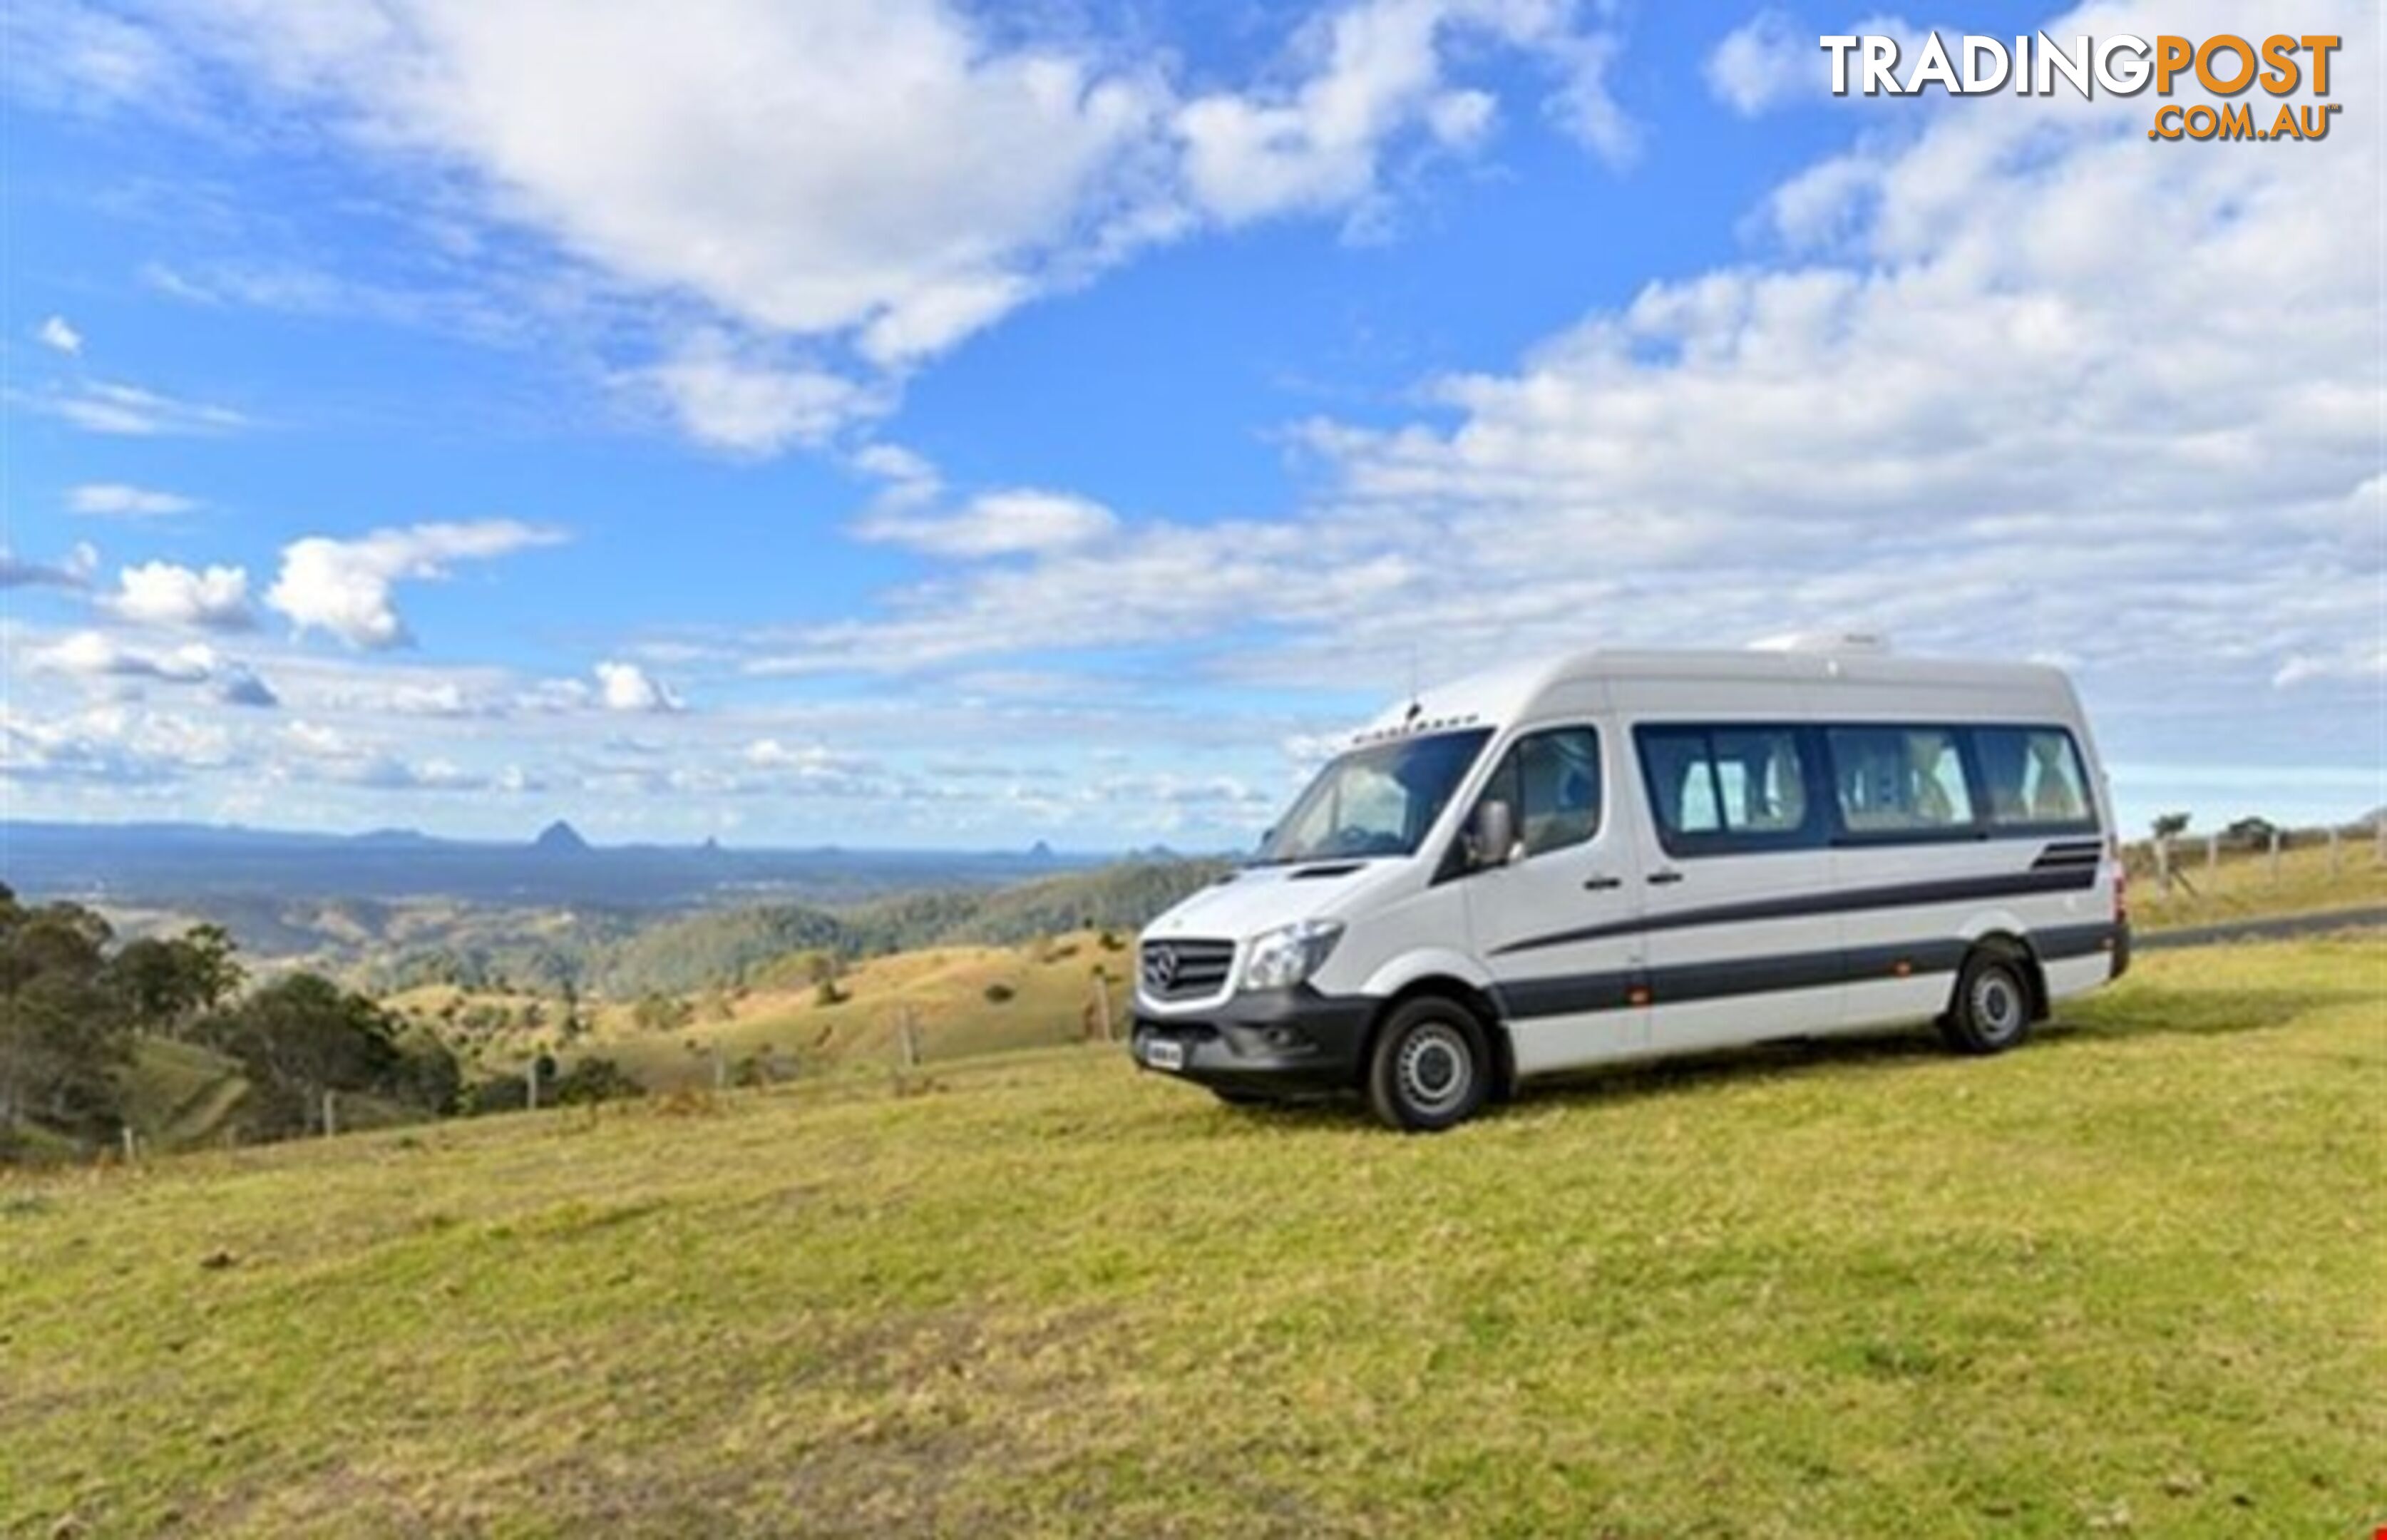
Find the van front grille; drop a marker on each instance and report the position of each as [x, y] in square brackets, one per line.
[1177, 969]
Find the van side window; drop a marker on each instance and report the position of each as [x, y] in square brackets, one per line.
[1900, 780]
[1552, 779]
[1725, 789]
[2031, 778]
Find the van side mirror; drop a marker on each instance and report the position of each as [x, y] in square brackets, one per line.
[1493, 841]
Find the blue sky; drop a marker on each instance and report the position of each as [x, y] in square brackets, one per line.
[898, 423]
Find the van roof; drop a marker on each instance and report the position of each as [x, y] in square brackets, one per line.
[1500, 694]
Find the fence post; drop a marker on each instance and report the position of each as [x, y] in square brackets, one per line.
[1103, 1005]
[530, 1079]
[2212, 851]
[720, 1069]
[129, 1150]
[2163, 865]
[330, 1113]
[2379, 827]
[2275, 855]
[2336, 860]
[907, 1041]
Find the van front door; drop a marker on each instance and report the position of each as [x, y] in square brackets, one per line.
[1554, 921]
[1742, 940]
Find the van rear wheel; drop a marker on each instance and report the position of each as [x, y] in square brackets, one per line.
[1991, 1010]
[1431, 1068]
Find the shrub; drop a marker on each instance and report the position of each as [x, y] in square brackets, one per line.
[998, 993]
[499, 1094]
[595, 1080]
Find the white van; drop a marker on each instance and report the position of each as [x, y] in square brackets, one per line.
[1618, 856]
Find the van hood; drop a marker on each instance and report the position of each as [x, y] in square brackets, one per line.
[1255, 898]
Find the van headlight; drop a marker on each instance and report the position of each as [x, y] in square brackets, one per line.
[1284, 957]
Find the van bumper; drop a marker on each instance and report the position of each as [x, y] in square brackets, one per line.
[1270, 1042]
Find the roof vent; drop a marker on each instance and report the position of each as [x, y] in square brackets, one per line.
[1823, 642]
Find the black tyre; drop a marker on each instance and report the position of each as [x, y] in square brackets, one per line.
[1431, 1068]
[1991, 1010]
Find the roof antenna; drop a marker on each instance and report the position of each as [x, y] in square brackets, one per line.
[1417, 707]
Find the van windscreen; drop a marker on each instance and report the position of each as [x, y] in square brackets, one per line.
[1376, 801]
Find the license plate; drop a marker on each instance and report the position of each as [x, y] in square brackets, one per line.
[1163, 1054]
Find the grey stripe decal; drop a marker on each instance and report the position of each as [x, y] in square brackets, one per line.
[1834, 902]
[1580, 993]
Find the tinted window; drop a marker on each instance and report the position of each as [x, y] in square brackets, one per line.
[1725, 788]
[1376, 801]
[1551, 782]
[2031, 778]
[1898, 780]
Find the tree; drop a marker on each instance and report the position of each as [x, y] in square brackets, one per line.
[2170, 826]
[301, 1035]
[2252, 832]
[169, 983]
[63, 1033]
[660, 1013]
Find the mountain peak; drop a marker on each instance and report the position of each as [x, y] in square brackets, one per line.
[559, 838]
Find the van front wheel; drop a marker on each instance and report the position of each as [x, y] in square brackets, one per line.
[1991, 1011]
[1431, 1068]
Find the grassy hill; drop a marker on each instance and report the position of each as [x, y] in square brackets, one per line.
[2125, 1280]
[2243, 884]
[962, 1001]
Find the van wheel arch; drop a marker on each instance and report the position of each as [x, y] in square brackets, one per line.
[2026, 956]
[2003, 952]
[1469, 998]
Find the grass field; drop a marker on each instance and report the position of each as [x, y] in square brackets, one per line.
[2243, 884]
[2126, 1280]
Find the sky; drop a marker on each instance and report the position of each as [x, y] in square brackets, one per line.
[898, 422]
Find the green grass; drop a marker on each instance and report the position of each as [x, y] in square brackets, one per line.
[2129, 1277]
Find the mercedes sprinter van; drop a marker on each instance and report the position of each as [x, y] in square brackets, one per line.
[1621, 855]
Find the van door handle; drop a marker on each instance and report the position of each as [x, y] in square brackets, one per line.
[1602, 882]
[1659, 879]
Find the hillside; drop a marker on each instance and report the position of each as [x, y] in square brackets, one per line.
[2124, 1281]
[388, 946]
[959, 1000]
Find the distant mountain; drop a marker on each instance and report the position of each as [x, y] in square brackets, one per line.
[388, 837]
[560, 838]
[166, 865]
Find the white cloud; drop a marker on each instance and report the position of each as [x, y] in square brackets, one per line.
[345, 588]
[58, 335]
[94, 653]
[873, 179]
[730, 400]
[1949, 424]
[997, 523]
[625, 686]
[1766, 60]
[1371, 71]
[98, 657]
[160, 593]
[124, 410]
[108, 500]
[2359, 661]
[111, 746]
[16, 572]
